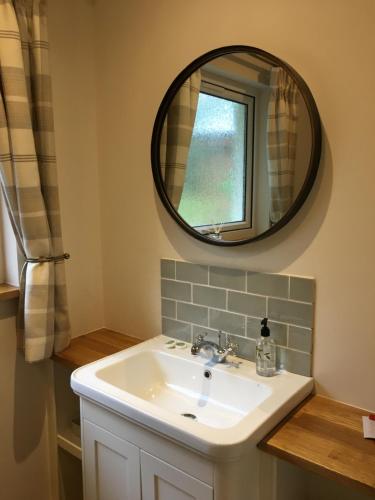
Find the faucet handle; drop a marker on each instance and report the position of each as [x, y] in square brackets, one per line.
[231, 346]
[196, 344]
[199, 338]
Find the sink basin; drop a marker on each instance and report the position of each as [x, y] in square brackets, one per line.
[218, 410]
[185, 388]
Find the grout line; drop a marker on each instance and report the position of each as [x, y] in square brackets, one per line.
[287, 299]
[192, 303]
[305, 277]
[291, 324]
[310, 329]
[229, 312]
[179, 320]
[296, 350]
[283, 299]
[271, 320]
[206, 328]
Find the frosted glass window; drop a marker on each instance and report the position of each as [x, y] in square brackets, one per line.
[215, 184]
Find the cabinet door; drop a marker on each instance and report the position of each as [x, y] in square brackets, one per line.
[111, 466]
[162, 481]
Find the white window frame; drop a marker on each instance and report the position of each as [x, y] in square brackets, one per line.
[235, 91]
[9, 266]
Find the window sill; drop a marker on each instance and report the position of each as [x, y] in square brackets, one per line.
[8, 292]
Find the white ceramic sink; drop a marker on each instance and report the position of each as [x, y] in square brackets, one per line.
[180, 386]
[154, 386]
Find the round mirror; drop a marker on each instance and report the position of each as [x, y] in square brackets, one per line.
[235, 146]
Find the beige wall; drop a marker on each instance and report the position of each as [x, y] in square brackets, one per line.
[141, 46]
[73, 79]
[25, 450]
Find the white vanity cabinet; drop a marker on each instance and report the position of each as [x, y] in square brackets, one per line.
[111, 466]
[162, 481]
[122, 461]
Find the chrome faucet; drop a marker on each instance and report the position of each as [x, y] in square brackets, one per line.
[218, 352]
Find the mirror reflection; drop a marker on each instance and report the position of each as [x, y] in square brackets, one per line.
[235, 147]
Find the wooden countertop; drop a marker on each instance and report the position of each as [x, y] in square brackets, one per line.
[8, 291]
[326, 437]
[94, 346]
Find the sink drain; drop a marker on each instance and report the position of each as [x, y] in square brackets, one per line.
[189, 415]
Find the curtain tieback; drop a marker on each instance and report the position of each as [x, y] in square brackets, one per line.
[57, 258]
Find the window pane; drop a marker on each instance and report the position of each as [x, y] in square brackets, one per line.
[214, 188]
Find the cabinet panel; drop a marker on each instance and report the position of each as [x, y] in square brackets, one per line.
[162, 481]
[156, 445]
[111, 466]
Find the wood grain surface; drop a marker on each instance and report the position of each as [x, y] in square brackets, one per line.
[326, 437]
[94, 346]
[8, 291]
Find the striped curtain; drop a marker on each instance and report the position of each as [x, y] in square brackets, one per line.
[28, 176]
[176, 137]
[281, 142]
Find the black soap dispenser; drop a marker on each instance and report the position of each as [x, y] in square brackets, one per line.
[265, 352]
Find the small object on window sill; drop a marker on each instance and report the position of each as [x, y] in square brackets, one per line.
[8, 292]
[369, 427]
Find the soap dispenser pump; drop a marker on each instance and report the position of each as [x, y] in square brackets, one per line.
[265, 352]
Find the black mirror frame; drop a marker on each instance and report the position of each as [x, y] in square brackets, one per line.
[316, 140]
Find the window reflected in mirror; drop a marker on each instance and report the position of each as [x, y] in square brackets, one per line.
[217, 197]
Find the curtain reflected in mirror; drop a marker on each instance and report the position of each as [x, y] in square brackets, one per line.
[176, 137]
[281, 142]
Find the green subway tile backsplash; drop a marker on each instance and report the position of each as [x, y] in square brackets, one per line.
[168, 308]
[302, 289]
[192, 313]
[293, 361]
[209, 296]
[276, 285]
[191, 272]
[300, 338]
[246, 347]
[176, 329]
[168, 269]
[245, 303]
[287, 311]
[227, 278]
[175, 290]
[228, 322]
[199, 298]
